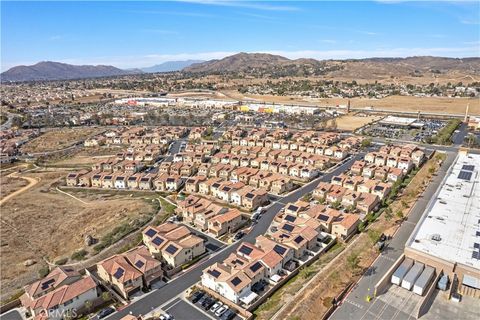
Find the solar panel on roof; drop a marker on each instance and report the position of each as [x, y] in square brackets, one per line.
[245, 250]
[151, 232]
[119, 273]
[157, 241]
[288, 227]
[478, 234]
[279, 249]
[323, 217]
[214, 273]
[236, 281]
[171, 249]
[290, 218]
[298, 239]
[465, 175]
[47, 283]
[255, 266]
[476, 255]
[292, 208]
[476, 245]
[468, 167]
[139, 264]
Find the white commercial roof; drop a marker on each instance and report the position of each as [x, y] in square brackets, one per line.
[400, 121]
[450, 228]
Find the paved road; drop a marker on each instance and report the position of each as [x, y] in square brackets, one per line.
[12, 315]
[172, 289]
[8, 124]
[354, 305]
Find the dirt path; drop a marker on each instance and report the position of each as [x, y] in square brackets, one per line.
[31, 183]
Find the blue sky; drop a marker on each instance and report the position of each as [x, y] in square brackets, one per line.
[139, 34]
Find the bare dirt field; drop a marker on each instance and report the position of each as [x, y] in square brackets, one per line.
[353, 122]
[397, 103]
[9, 185]
[59, 139]
[43, 222]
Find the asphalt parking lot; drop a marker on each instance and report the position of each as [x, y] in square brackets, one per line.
[183, 310]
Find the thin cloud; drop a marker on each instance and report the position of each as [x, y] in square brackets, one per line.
[160, 31]
[244, 4]
[470, 22]
[173, 13]
[329, 41]
[55, 38]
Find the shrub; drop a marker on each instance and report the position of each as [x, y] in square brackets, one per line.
[42, 273]
[61, 261]
[79, 255]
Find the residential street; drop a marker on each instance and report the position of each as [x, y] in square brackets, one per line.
[172, 289]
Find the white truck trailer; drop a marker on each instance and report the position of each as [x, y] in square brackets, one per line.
[401, 271]
[412, 275]
[422, 283]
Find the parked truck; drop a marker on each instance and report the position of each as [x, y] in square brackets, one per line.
[412, 275]
[422, 283]
[401, 271]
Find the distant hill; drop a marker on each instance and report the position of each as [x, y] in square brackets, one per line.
[169, 66]
[49, 70]
[260, 64]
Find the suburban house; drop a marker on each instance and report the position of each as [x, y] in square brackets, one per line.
[227, 222]
[173, 244]
[62, 292]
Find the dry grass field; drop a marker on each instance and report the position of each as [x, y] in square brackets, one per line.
[10, 185]
[42, 222]
[59, 139]
[353, 122]
[396, 103]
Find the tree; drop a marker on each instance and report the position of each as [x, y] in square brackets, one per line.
[106, 296]
[353, 260]
[366, 143]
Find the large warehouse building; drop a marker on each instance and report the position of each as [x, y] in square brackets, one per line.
[447, 237]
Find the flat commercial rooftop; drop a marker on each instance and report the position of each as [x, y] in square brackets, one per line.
[398, 121]
[450, 229]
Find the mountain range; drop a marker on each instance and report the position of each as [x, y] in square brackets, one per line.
[263, 65]
[170, 66]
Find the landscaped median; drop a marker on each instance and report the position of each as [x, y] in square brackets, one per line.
[297, 300]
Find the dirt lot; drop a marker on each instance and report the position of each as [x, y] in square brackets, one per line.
[353, 122]
[10, 184]
[43, 222]
[397, 103]
[59, 139]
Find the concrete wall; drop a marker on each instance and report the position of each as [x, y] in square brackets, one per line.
[385, 280]
[428, 299]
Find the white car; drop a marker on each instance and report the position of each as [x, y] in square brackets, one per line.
[221, 311]
[216, 306]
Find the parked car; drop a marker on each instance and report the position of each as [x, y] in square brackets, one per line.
[216, 306]
[228, 315]
[197, 296]
[208, 303]
[105, 312]
[203, 298]
[239, 235]
[221, 311]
